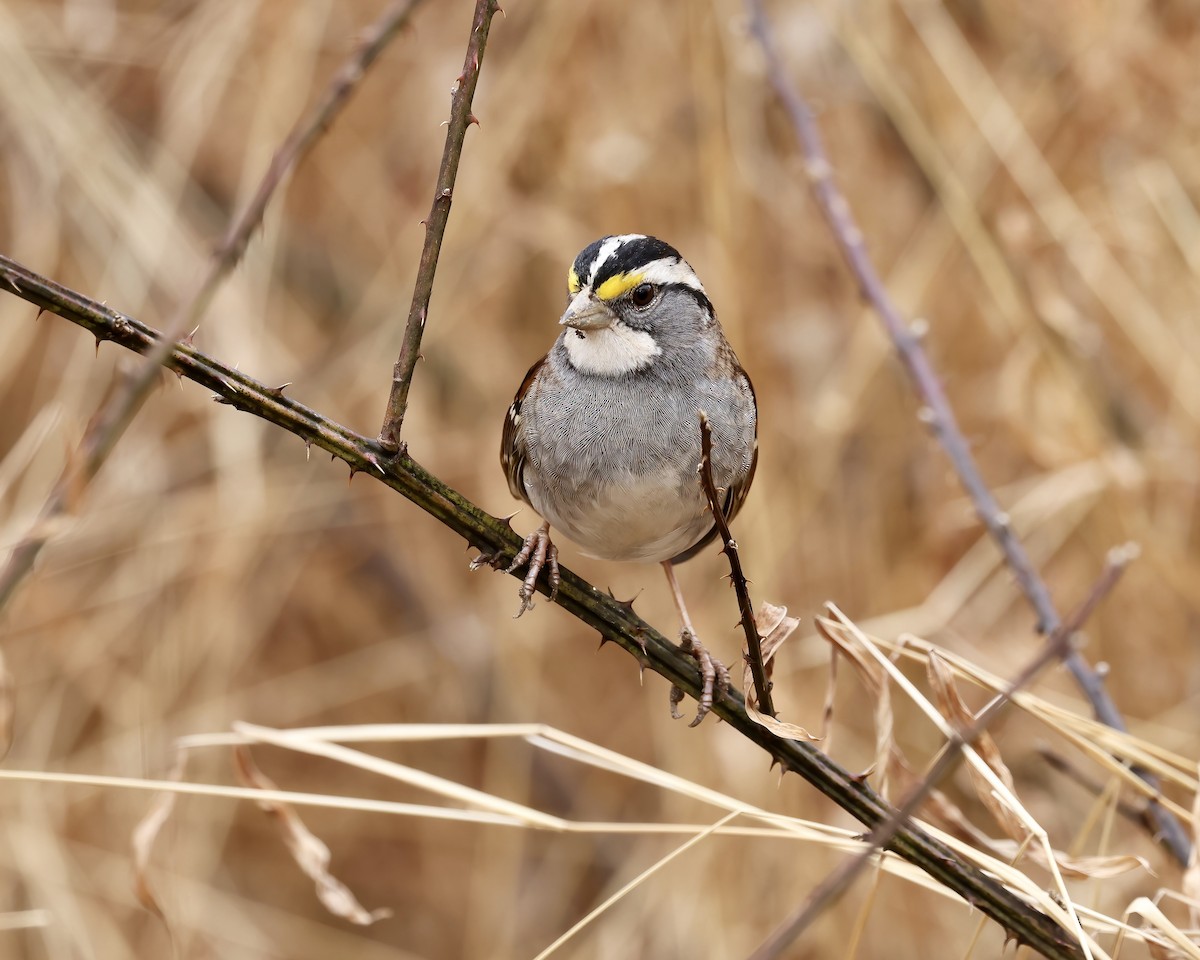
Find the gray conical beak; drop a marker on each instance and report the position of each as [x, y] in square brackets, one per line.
[585, 312]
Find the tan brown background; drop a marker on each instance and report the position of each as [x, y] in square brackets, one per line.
[1025, 177]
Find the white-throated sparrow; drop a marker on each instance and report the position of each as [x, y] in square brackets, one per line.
[603, 437]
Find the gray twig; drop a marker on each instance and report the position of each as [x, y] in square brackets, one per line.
[937, 412]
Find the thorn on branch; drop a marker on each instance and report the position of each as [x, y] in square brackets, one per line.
[374, 461]
[626, 605]
[639, 637]
[227, 401]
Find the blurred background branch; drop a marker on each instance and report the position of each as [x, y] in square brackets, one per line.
[104, 430]
[937, 412]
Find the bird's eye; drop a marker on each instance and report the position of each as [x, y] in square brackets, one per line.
[642, 294]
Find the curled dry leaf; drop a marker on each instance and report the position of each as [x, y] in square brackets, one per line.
[1079, 868]
[774, 627]
[309, 852]
[950, 702]
[146, 832]
[846, 642]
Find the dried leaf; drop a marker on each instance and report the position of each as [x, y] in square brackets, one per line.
[774, 626]
[875, 679]
[941, 679]
[146, 832]
[789, 731]
[1079, 868]
[827, 710]
[309, 852]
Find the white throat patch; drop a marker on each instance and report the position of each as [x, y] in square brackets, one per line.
[610, 351]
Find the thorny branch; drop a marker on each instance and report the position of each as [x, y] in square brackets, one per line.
[729, 547]
[108, 425]
[614, 620]
[435, 225]
[1053, 650]
[937, 412]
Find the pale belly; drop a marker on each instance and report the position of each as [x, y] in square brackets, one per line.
[645, 518]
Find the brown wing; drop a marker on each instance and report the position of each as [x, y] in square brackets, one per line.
[735, 496]
[512, 438]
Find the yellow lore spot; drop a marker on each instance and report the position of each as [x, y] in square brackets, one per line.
[573, 284]
[613, 287]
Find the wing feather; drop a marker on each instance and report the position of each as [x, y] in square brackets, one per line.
[512, 439]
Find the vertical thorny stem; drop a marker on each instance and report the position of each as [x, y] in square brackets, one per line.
[435, 225]
[762, 685]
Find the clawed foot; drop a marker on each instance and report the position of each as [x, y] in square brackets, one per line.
[537, 551]
[716, 677]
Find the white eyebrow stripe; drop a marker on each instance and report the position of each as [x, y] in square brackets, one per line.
[607, 249]
[669, 270]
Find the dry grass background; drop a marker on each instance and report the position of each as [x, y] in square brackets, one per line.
[214, 574]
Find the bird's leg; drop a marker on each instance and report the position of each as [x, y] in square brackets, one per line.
[716, 677]
[537, 551]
